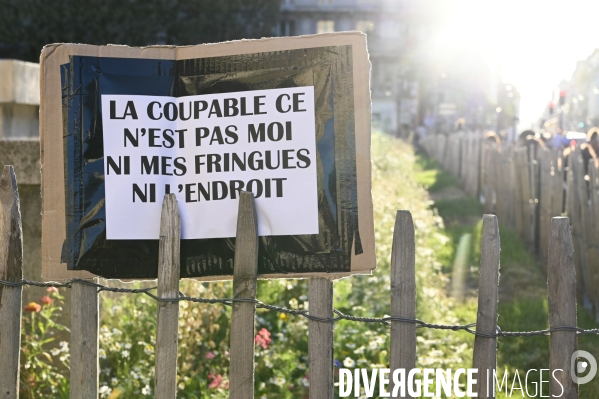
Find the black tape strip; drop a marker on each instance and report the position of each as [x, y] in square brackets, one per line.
[328, 69]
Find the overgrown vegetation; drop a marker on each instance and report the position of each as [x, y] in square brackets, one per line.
[401, 180]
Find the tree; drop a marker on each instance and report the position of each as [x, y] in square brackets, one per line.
[27, 25]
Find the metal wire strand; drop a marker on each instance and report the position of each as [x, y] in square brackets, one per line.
[304, 313]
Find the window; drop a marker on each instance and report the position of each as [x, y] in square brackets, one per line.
[325, 26]
[287, 28]
[365, 26]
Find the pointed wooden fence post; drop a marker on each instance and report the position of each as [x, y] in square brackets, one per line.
[561, 290]
[485, 348]
[403, 295]
[245, 272]
[320, 338]
[11, 257]
[84, 341]
[165, 378]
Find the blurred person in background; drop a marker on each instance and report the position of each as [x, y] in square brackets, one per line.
[559, 141]
[533, 144]
[493, 139]
[588, 151]
[593, 139]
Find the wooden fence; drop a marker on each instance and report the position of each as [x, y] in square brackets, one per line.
[84, 315]
[525, 186]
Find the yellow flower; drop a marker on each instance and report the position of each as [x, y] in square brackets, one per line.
[283, 316]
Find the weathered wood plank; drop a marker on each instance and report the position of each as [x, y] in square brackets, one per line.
[11, 257]
[545, 201]
[245, 272]
[561, 290]
[320, 338]
[84, 341]
[165, 378]
[582, 228]
[594, 198]
[521, 201]
[485, 349]
[403, 294]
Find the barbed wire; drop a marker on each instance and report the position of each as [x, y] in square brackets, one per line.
[304, 313]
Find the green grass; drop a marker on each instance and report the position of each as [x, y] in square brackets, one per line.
[431, 176]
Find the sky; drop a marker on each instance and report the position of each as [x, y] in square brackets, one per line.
[535, 44]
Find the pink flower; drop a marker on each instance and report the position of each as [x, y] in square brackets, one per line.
[46, 300]
[216, 381]
[52, 289]
[263, 338]
[210, 355]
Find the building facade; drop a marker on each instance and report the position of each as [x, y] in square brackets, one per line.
[392, 28]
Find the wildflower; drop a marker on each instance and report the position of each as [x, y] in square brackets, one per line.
[337, 363]
[349, 362]
[263, 338]
[216, 381]
[146, 390]
[46, 300]
[125, 354]
[283, 316]
[33, 307]
[114, 381]
[210, 355]
[104, 391]
[279, 381]
[52, 289]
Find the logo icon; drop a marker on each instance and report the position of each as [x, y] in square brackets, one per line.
[580, 362]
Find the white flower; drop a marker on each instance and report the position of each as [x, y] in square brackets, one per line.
[125, 354]
[279, 381]
[349, 362]
[145, 390]
[127, 345]
[104, 391]
[114, 381]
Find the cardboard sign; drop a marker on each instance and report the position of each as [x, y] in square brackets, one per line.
[285, 118]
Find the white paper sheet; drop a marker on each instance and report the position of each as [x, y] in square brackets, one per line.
[198, 146]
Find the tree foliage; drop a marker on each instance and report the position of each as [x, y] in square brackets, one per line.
[27, 25]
